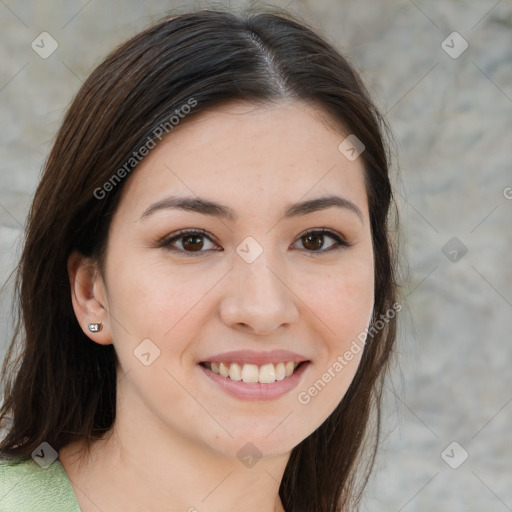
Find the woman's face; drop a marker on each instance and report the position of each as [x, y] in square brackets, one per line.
[251, 289]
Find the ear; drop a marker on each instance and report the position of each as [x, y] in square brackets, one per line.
[88, 295]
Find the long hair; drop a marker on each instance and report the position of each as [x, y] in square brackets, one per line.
[61, 386]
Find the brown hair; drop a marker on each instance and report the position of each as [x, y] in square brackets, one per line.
[62, 385]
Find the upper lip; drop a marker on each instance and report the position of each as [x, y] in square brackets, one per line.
[257, 358]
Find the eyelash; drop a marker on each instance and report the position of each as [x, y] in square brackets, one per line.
[167, 242]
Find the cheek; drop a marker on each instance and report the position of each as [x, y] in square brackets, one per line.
[351, 317]
[342, 307]
[341, 300]
[147, 300]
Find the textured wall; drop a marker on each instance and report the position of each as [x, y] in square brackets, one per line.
[450, 108]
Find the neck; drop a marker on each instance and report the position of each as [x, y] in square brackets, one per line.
[140, 462]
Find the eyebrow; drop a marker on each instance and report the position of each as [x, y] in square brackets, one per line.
[207, 207]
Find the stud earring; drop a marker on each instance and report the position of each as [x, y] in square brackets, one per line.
[95, 327]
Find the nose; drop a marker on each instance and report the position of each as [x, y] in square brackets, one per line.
[258, 298]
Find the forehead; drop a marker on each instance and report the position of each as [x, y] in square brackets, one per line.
[253, 157]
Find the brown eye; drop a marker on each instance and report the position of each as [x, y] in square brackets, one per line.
[192, 242]
[188, 242]
[314, 241]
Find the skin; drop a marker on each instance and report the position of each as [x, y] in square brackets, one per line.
[176, 435]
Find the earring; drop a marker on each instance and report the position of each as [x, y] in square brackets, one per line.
[95, 327]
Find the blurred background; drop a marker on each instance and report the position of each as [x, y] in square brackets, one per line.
[441, 71]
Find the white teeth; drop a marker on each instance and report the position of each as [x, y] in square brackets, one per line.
[280, 371]
[235, 372]
[265, 374]
[223, 370]
[250, 373]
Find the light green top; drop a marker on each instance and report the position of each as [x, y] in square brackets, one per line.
[27, 487]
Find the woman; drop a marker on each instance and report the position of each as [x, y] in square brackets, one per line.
[207, 285]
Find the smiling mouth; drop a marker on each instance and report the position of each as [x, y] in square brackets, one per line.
[264, 374]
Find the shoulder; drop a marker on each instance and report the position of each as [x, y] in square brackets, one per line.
[26, 486]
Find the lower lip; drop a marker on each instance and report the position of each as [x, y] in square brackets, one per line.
[256, 390]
